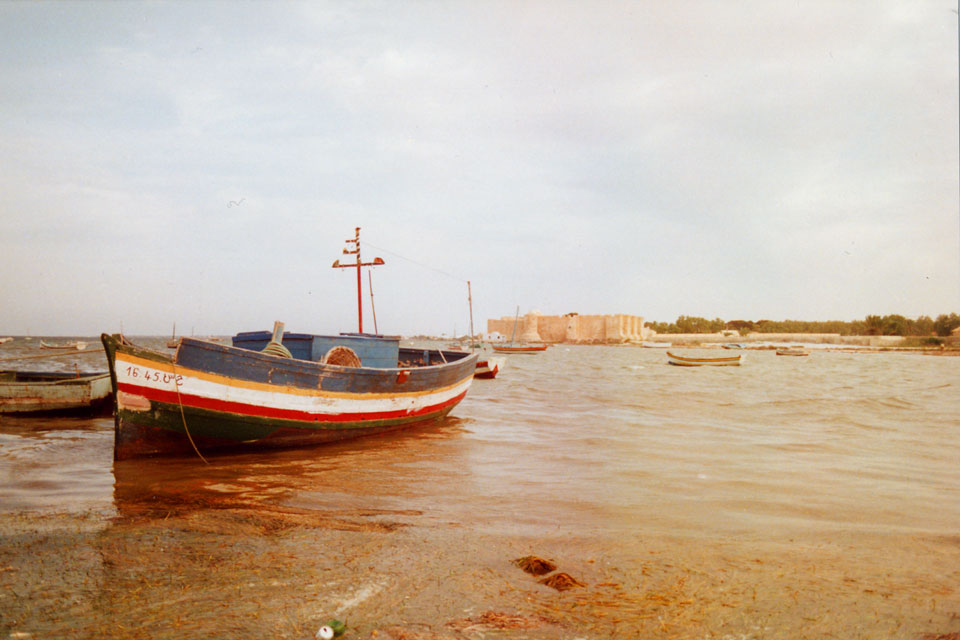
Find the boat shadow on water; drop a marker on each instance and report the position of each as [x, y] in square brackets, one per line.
[317, 486]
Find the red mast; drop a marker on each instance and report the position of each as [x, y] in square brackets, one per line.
[356, 251]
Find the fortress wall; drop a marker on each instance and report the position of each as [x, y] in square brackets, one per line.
[553, 328]
[570, 328]
[592, 329]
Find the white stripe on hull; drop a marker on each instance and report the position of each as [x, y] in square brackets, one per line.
[318, 403]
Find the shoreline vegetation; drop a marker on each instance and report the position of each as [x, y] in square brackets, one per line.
[890, 325]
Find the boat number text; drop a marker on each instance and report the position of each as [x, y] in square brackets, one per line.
[155, 376]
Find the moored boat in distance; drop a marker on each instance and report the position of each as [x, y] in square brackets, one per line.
[5, 340]
[519, 348]
[78, 345]
[687, 361]
[488, 368]
[49, 392]
[792, 351]
[173, 341]
[210, 396]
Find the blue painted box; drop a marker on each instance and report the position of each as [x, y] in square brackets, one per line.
[379, 352]
[299, 344]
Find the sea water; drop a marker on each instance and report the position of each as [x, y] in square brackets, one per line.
[789, 497]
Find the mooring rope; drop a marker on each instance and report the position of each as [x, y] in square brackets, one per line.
[182, 416]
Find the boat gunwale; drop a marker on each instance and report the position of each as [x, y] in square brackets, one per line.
[461, 358]
[458, 370]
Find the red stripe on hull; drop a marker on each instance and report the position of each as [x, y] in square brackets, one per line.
[212, 404]
[139, 440]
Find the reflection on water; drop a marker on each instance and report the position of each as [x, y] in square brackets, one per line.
[814, 494]
[369, 478]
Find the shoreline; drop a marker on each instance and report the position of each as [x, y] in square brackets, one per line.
[274, 570]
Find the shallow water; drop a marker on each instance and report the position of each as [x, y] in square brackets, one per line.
[814, 484]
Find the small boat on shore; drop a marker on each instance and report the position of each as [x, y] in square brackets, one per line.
[210, 396]
[792, 351]
[5, 340]
[52, 392]
[686, 361]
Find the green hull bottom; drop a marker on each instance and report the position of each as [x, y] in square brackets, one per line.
[161, 431]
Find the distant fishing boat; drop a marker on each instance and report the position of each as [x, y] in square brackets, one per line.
[66, 345]
[45, 391]
[488, 368]
[792, 351]
[518, 348]
[173, 342]
[5, 340]
[732, 345]
[686, 361]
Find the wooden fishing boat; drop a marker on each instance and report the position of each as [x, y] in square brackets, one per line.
[210, 396]
[519, 348]
[686, 361]
[488, 368]
[792, 351]
[45, 391]
[5, 340]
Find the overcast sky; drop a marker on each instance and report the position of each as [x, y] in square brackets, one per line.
[202, 163]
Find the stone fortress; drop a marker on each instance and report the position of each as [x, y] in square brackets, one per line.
[571, 327]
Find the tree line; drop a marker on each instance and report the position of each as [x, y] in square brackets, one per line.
[890, 325]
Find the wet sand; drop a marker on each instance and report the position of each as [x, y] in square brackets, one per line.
[830, 513]
[280, 573]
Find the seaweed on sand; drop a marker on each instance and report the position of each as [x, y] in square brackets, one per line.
[535, 565]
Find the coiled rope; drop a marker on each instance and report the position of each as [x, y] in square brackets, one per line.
[275, 348]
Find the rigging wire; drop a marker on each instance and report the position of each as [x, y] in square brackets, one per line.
[419, 264]
[424, 266]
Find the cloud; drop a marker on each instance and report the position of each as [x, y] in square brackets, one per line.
[748, 160]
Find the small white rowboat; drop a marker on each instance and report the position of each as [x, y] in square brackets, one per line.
[686, 361]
